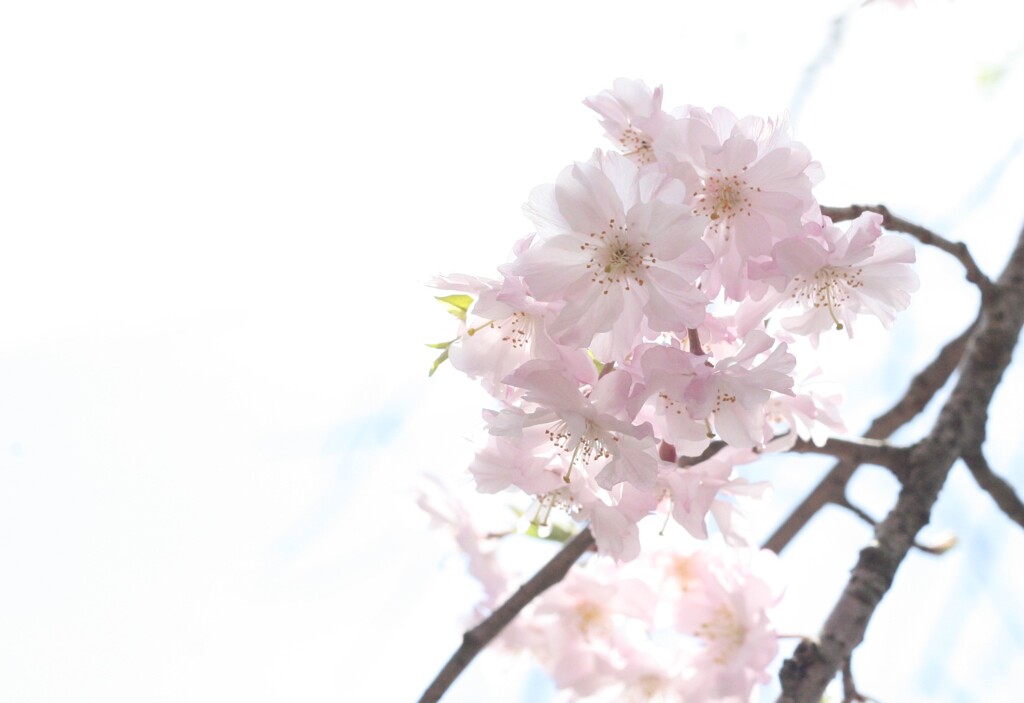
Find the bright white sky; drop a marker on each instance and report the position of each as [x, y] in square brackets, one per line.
[215, 221]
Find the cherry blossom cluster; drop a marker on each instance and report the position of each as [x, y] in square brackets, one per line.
[639, 346]
[670, 626]
[684, 621]
[652, 312]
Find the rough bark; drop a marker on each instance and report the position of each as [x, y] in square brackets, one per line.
[958, 431]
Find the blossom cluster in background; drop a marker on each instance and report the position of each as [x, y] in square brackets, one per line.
[686, 620]
[640, 348]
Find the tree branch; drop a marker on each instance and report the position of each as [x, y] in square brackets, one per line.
[858, 451]
[811, 659]
[996, 486]
[859, 512]
[476, 638]
[923, 235]
[832, 488]
[960, 428]
[712, 449]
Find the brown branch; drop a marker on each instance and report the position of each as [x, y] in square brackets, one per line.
[959, 428]
[925, 236]
[712, 449]
[861, 451]
[859, 512]
[832, 488]
[857, 452]
[996, 486]
[476, 638]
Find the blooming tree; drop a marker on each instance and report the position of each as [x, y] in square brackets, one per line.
[657, 332]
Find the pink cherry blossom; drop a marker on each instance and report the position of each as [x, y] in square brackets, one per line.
[631, 116]
[504, 328]
[446, 511]
[615, 527]
[807, 415]
[665, 373]
[729, 613]
[835, 276]
[504, 463]
[590, 429]
[697, 490]
[732, 397]
[590, 620]
[620, 248]
[751, 181]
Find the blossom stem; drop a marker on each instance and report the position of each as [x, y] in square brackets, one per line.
[693, 338]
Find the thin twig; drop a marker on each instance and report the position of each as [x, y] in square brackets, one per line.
[850, 693]
[712, 449]
[922, 234]
[478, 637]
[996, 486]
[859, 512]
[933, 549]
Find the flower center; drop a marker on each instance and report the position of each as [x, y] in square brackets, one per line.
[616, 259]
[585, 449]
[652, 687]
[637, 145]
[722, 633]
[723, 197]
[590, 617]
[830, 288]
[683, 572]
[516, 329]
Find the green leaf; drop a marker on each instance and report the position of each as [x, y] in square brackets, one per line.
[458, 300]
[441, 345]
[554, 533]
[457, 304]
[438, 361]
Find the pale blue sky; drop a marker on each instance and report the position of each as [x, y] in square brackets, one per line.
[216, 221]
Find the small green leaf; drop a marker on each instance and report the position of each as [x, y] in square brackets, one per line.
[458, 300]
[441, 345]
[553, 533]
[438, 361]
[457, 304]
